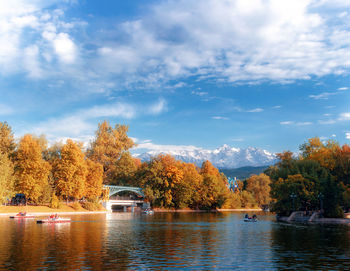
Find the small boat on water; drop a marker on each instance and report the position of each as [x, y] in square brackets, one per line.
[22, 215]
[148, 212]
[54, 219]
[247, 218]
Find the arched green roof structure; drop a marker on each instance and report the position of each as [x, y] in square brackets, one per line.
[114, 189]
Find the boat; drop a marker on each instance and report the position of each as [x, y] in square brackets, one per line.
[23, 215]
[53, 219]
[148, 212]
[247, 218]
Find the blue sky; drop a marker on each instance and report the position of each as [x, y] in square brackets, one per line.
[261, 73]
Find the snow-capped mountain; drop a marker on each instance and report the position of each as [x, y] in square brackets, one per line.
[222, 157]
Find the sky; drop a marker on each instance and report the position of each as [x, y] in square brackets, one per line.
[181, 73]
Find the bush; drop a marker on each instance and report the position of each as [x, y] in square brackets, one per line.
[54, 203]
[233, 202]
[92, 206]
[76, 206]
[337, 212]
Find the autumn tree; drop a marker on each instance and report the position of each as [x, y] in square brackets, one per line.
[7, 142]
[108, 146]
[7, 147]
[187, 191]
[124, 170]
[259, 186]
[324, 153]
[31, 170]
[94, 180]
[6, 178]
[70, 171]
[214, 191]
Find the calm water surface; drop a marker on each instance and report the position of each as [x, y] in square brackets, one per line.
[172, 241]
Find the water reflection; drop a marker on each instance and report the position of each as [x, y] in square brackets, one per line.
[316, 247]
[193, 241]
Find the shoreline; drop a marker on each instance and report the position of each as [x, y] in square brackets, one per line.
[44, 210]
[156, 210]
[60, 213]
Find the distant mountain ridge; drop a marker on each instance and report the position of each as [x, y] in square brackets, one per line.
[223, 157]
[243, 172]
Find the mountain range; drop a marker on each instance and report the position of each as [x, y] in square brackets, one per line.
[222, 157]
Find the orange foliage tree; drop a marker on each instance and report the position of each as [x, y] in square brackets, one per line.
[108, 146]
[31, 170]
[70, 171]
[94, 180]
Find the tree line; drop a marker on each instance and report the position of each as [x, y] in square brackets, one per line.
[318, 179]
[69, 172]
[61, 171]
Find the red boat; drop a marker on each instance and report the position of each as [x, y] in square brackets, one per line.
[54, 219]
[22, 215]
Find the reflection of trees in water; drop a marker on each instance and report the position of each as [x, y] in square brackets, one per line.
[314, 247]
[29, 246]
[165, 240]
[21, 245]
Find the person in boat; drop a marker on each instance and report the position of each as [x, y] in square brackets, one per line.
[254, 216]
[51, 216]
[56, 216]
[246, 216]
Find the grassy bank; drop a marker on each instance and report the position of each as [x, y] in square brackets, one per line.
[41, 209]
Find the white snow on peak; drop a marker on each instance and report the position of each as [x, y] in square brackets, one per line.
[222, 157]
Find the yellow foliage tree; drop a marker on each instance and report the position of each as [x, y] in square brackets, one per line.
[94, 180]
[31, 170]
[6, 178]
[70, 171]
[107, 147]
[7, 142]
[324, 153]
[259, 186]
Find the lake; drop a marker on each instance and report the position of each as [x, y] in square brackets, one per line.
[172, 241]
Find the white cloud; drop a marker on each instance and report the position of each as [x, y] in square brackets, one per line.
[199, 93]
[347, 135]
[219, 118]
[159, 107]
[123, 110]
[255, 110]
[326, 95]
[65, 48]
[323, 96]
[344, 116]
[82, 123]
[286, 122]
[165, 148]
[305, 123]
[227, 40]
